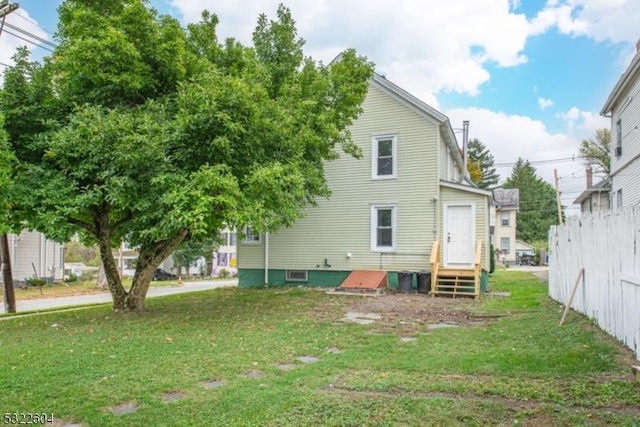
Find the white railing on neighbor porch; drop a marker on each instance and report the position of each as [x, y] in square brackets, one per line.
[607, 246]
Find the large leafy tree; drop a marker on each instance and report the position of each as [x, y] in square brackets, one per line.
[538, 206]
[481, 159]
[598, 151]
[141, 130]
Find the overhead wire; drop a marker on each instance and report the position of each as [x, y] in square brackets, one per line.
[28, 41]
[29, 34]
[16, 13]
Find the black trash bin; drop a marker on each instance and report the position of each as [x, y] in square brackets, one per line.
[405, 281]
[424, 281]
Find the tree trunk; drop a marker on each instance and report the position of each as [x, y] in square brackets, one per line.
[118, 292]
[179, 268]
[7, 275]
[149, 259]
[102, 277]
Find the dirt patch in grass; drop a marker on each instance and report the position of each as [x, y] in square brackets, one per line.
[411, 312]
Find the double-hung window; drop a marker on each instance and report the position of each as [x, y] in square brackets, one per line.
[383, 228]
[384, 156]
[505, 218]
[504, 245]
[250, 236]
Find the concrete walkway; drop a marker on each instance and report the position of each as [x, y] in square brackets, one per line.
[105, 297]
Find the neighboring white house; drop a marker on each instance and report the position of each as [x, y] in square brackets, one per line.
[223, 258]
[403, 206]
[507, 204]
[596, 197]
[32, 254]
[623, 106]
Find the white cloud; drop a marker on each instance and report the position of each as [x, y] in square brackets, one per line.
[446, 49]
[544, 103]
[8, 40]
[510, 137]
[582, 124]
[612, 20]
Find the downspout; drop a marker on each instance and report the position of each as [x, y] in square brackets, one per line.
[266, 258]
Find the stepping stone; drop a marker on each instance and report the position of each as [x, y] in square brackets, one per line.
[334, 350]
[286, 366]
[407, 339]
[212, 384]
[172, 396]
[361, 318]
[442, 325]
[124, 408]
[254, 374]
[308, 359]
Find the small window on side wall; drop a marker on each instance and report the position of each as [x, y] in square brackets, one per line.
[504, 245]
[505, 218]
[383, 228]
[297, 276]
[250, 236]
[384, 157]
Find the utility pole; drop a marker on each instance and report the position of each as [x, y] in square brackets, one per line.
[5, 9]
[555, 178]
[5, 256]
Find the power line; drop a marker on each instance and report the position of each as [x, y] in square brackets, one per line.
[32, 22]
[539, 162]
[28, 41]
[33, 36]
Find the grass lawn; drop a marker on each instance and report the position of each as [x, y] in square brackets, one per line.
[229, 357]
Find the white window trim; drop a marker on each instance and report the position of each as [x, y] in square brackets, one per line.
[508, 245]
[374, 156]
[246, 234]
[508, 224]
[288, 277]
[374, 227]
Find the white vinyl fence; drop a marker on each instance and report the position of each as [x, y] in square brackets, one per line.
[607, 246]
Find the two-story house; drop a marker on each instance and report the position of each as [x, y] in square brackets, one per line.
[33, 255]
[596, 197]
[623, 107]
[507, 204]
[403, 206]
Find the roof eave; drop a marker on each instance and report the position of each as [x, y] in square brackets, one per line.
[622, 84]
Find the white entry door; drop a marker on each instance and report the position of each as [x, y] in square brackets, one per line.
[459, 235]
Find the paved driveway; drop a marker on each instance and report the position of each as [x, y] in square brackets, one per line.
[58, 302]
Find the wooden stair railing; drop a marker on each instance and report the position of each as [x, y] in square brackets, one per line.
[455, 281]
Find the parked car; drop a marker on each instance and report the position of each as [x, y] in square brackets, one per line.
[160, 274]
[527, 260]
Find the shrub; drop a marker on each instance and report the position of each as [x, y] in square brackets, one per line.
[224, 273]
[492, 260]
[71, 278]
[35, 281]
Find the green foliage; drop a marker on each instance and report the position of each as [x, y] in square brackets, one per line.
[6, 169]
[481, 165]
[598, 151]
[144, 131]
[192, 249]
[224, 273]
[36, 282]
[75, 251]
[71, 278]
[538, 206]
[492, 259]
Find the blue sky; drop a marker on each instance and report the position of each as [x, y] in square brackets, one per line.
[530, 76]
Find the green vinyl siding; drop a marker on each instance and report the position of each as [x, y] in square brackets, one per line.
[342, 224]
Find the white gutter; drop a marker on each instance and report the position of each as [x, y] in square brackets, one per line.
[266, 257]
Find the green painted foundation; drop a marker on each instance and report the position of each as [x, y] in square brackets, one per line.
[254, 278]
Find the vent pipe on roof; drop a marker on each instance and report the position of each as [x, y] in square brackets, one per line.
[589, 177]
[465, 141]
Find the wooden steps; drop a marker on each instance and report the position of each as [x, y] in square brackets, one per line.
[455, 281]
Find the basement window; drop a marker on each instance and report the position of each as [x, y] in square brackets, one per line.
[297, 275]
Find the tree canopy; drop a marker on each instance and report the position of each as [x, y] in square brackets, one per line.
[480, 165]
[598, 151]
[538, 206]
[139, 129]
